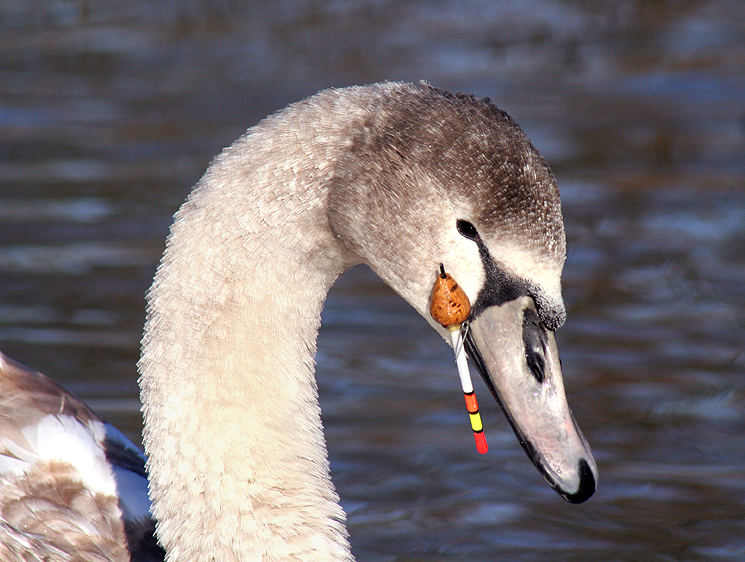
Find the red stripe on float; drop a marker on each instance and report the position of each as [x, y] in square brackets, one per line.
[471, 404]
[481, 445]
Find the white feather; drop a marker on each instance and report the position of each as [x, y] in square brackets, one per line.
[64, 438]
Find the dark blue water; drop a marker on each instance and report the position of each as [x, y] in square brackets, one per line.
[110, 111]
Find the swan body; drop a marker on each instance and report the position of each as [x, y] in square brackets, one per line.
[401, 177]
[72, 487]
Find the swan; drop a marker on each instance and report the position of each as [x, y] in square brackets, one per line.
[399, 176]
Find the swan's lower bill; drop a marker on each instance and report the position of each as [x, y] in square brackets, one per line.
[519, 361]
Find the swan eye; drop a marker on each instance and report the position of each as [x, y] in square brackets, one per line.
[466, 229]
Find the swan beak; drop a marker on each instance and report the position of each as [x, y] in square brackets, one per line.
[519, 361]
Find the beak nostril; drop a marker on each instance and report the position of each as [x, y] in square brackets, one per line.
[536, 362]
[534, 340]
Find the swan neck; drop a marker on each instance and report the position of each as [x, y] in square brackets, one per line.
[237, 456]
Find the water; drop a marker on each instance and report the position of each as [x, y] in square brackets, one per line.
[110, 111]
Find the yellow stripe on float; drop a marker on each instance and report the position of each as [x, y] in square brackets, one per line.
[476, 421]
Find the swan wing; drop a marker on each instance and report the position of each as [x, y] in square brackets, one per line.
[71, 485]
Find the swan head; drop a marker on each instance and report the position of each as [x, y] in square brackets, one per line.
[431, 177]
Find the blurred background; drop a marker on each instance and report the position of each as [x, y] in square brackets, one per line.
[110, 111]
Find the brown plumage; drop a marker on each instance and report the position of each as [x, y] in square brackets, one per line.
[50, 502]
[46, 510]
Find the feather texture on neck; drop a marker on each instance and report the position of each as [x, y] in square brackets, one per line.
[237, 456]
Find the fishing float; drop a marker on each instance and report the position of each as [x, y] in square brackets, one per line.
[450, 307]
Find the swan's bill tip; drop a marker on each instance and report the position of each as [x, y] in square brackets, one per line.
[587, 484]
